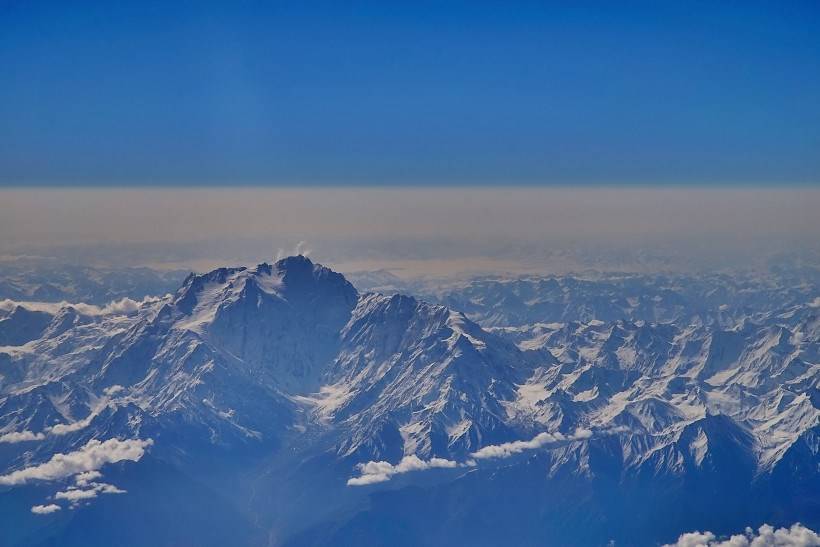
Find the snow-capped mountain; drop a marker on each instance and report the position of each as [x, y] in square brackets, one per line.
[722, 298]
[49, 280]
[305, 412]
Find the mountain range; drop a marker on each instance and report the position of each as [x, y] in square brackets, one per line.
[278, 405]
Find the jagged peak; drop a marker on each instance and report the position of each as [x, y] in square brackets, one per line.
[293, 278]
[296, 262]
[299, 270]
[20, 312]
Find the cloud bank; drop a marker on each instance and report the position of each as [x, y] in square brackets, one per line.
[90, 457]
[122, 306]
[45, 509]
[766, 536]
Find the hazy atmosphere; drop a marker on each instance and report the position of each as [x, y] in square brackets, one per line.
[412, 231]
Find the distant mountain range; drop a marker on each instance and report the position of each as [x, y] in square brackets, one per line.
[48, 280]
[278, 405]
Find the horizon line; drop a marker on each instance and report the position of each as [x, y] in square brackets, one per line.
[428, 185]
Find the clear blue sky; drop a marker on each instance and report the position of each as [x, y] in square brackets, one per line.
[409, 93]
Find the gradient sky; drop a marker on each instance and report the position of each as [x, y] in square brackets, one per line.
[390, 93]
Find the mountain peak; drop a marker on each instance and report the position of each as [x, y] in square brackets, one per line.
[294, 278]
[223, 299]
[295, 262]
[300, 277]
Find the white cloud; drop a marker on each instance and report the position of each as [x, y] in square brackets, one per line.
[64, 429]
[21, 436]
[84, 478]
[45, 509]
[113, 390]
[110, 489]
[90, 457]
[75, 495]
[117, 307]
[694, 539]
[381, 471]
[84, 488]
[123, 306]
[364, 480]
[375, 472]
[505, 450]
[766, 536]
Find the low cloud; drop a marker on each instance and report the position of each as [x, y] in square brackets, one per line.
[64, 429]
[90, 457]
[45, 509]
[21, 436]
[505, 450]
[766, 536]
[117, 307]
[85, 488]
[376, 472]
[75, 494]
[381, 471]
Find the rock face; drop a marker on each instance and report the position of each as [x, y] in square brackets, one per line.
[264, 390]
[22, 325]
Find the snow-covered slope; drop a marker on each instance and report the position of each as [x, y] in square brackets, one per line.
[50, 280]
[274, 386]
[725, 298]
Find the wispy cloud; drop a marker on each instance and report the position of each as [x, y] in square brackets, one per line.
[505, 450]
[64, 429]
[301, 248]
[766, 536]
[21, 436]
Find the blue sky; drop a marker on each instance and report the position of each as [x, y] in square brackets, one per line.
[383, 93]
